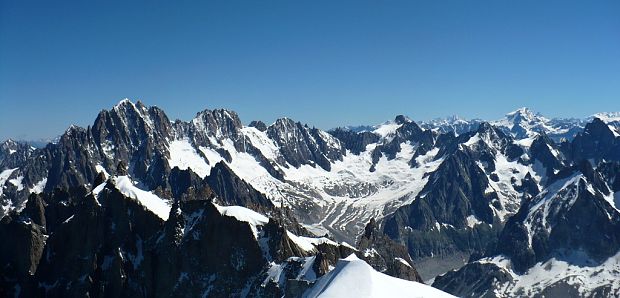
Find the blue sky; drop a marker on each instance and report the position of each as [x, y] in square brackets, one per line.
[327, 63]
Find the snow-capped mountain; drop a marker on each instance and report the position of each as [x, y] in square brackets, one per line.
[454, 124]
[433, 195]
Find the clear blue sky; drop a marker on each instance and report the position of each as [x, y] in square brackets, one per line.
[327, 63]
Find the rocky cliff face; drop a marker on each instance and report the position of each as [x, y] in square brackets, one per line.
[302, 145]
[596, 143]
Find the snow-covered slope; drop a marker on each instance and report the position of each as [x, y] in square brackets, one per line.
[353, 277]
[344, 197]
[454, 124]
[253, 218]
[587, 277]
[4, 177]
[151, 202]
[521, 124]
[562, 243]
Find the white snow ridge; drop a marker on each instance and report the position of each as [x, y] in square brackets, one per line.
[153, 203]
[353, 277]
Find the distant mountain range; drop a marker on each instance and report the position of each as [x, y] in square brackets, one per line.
[520, 206]
[521, 123]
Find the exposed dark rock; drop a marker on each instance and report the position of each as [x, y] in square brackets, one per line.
[121, 169]
[475, 280]
[355, 142]
[260, 125]
[302, 145]
[183, 182]
[20, 252]
[231, 190]
[35, 210]
[13, 154]
[597, 142]
[385, 255]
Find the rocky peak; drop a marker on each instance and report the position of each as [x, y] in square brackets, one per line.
[300, 144]
[401, 119]
[523, 123]
[130, 113]
[260, 125]
[232, 190]
[72, 130]
[488, 139]
[524, 115]
[598, 128]
[409, 130]
[9, 144]
[545, 150]
[490, 130]
[609, 117]
[123, 103]
[219, 123]
[284, 126]
[13, 153]
[597, 142]
[354, 141]
[128, 128]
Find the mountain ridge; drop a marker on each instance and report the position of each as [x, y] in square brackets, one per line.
[447, 198]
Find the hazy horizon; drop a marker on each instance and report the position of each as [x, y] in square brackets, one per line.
[268, 122]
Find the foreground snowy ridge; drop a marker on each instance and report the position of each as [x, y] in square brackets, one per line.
[353, 277]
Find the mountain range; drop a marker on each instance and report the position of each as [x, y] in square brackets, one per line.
[137, 204]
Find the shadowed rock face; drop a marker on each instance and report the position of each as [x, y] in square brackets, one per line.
[13, 154]
[21, 256]
[473, 280]
[541, 150]
[597, 143]
[260, 125]
[232, 190]
[110, 245]
[215, 252]
[355, 142]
